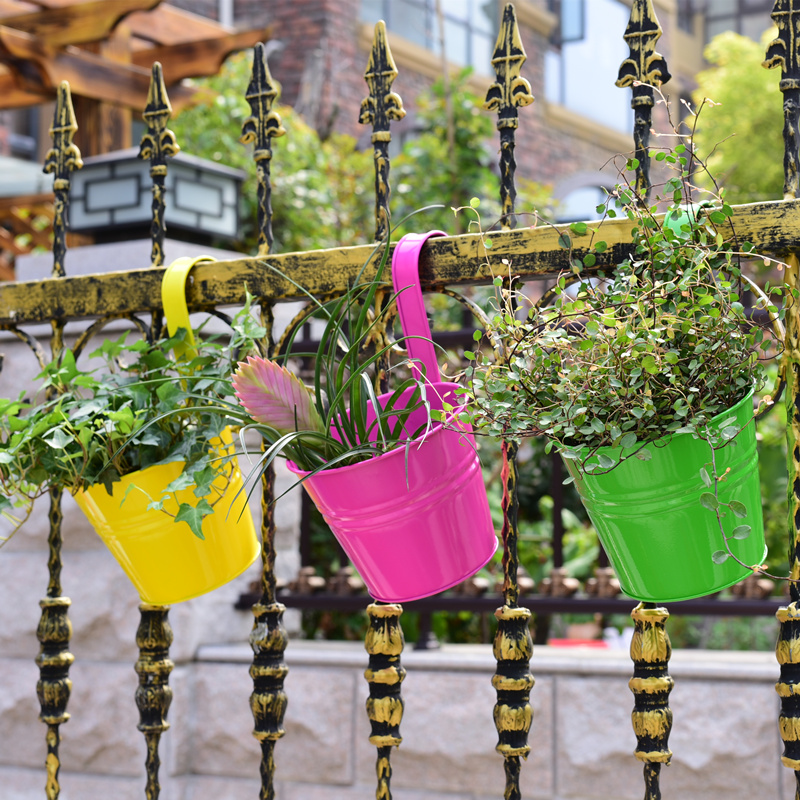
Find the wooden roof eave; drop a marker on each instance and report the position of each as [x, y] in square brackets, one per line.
[88, 74]
[14, 94]
[198, 59]
[76, 24]
[168, 25]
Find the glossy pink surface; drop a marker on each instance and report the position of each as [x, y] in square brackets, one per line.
[414, 521]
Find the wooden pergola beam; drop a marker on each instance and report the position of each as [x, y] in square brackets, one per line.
[197, 59]
[531, 253]
[46, 42]
[12, 95]
[34, 202]
[169, 25]
[76, 24]
[88, 74]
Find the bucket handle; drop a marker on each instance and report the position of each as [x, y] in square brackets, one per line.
[173, 300]
[410, 305]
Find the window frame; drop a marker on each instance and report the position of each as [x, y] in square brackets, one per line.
[467, 22]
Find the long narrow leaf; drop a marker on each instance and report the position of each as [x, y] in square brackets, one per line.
[379, 416]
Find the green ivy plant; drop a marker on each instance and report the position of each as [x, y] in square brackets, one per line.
[137, 405]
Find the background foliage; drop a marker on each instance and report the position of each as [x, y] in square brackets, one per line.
[747, 109]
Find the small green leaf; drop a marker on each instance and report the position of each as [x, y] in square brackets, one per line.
[578, 228]
[741, 532]
[705, 477]
[203, 479]
[719, 557]
[738, 509]
[565, 241]
[57, 439]
[605, 461]
[628, 440]
[644, 455]
[707, 500]
[193, 516]
[649, 365]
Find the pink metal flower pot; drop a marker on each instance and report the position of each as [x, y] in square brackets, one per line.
[414, 521]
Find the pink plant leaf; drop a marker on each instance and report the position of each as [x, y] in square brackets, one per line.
[272, 395]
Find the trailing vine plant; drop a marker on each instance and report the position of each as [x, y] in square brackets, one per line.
[659, 344]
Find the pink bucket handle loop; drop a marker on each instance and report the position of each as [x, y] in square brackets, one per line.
[410, 306]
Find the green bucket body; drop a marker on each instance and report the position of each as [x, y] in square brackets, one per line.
[657, 536]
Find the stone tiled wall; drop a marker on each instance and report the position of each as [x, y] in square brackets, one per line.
[724, 739]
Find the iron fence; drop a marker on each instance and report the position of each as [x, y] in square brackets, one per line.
[447, 264]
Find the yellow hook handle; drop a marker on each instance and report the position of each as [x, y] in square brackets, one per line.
[173, 300]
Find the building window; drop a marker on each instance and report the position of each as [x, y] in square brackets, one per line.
[580, 205]
[584, 58]
[572, 19]
[686, 12]
[470, 26]
[747, 17]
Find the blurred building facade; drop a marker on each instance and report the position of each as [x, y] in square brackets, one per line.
[577, 123]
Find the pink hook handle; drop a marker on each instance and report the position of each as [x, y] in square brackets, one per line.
[410, 306]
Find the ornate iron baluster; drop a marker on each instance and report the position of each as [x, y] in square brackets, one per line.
[509, 93]
[268, 637]
[384, 643]
[268, 640]
[644, 69]
[154, 635]
[378, 109]
[153, 695]
[784, 52]
[61, 159]
[513, 645]
[259, 130]
[650, 650]
[55, 630]
[384, 640]
[651, 685]
[158, 143]
[54, 659]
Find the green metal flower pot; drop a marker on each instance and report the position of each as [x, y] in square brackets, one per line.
[658, 537]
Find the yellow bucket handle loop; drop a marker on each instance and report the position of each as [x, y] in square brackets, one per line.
[173, 300]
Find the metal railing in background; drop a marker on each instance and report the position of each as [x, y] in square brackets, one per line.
[446, 262]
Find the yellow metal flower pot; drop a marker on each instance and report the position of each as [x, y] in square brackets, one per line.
[165, 561]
